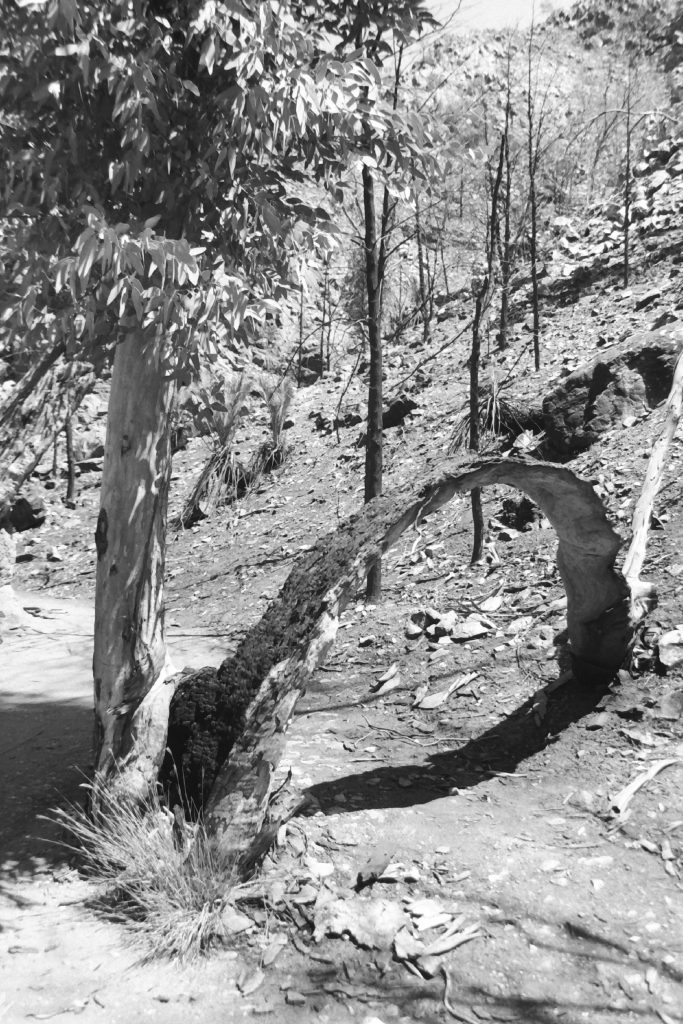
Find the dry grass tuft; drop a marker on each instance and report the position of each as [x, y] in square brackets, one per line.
[156, 876]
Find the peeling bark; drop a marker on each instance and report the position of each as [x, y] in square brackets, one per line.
[129, 663]
[234, 752]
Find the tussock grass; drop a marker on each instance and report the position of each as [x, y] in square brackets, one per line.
[500, 419]
[157, 873]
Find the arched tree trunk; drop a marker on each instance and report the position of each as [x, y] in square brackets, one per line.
[227, 730]
[130, 663]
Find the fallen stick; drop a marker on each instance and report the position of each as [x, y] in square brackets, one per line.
[624, 796]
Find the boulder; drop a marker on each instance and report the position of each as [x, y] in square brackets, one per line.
[28, 511]
[627, 379]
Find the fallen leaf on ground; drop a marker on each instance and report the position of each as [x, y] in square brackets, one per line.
[250, 981]
[371, 924]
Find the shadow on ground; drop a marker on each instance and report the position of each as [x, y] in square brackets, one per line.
[500, 749]
[45, 754]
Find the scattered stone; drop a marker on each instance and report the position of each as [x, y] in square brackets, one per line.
[671, 706]
[413, 631]
[470, 629]
[657, 180]
[234, 921]
[670, 648]
[648, 298]
[371, 923]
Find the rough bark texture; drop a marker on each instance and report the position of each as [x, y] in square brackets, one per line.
[243, 708]
[35, 413]
[129, 663]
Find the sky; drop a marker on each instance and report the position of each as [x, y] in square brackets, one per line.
[494, 13]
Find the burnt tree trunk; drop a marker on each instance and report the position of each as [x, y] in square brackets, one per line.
[483, 300]
[227, 728]
[130, 664]
[373, 450]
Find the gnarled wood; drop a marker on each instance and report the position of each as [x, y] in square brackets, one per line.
[258, 688]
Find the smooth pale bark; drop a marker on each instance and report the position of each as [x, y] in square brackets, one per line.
[635, 555]
[130, 665]
[35, 413]
[599, 623]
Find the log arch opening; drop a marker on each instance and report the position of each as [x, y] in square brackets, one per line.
[227, 726]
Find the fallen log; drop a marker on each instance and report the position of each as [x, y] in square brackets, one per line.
[227, 728]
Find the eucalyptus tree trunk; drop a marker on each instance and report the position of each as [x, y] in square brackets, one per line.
[130, 664]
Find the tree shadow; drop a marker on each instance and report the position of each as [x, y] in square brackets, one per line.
[45, 753]
[502, 748]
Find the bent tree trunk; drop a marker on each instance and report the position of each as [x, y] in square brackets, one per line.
[227, 727]
[129, 662]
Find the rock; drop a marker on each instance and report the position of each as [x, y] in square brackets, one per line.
[28, 511]
[371, 923]
[309, 368]
[657, 180]
[234, 921]
[470, 629]
[628, 378]
[325, 425]
[396, 411]
[90, 465]
[445, 625]
[413, 631]
[671, 706]
[639, 209]
[670, 648]
[648, 298]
